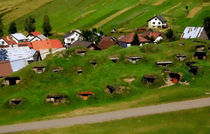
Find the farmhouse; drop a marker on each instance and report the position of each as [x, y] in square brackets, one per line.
[194, 32]
[72, 37]
[5, 68]
[46, 44]
[19, 37]
[126, 40]
[106, 42]
[89, 45]
[150, 36]
[36, 36]
[157, 21]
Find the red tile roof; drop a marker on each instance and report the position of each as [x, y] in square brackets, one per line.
[46, 44]
[85, 93]
[127, 38]
[6, 68]
[36, 33]
[9, 40]
[106, 42]
[142, 39]
[29, 44]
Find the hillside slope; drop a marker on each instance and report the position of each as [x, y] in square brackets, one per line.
[35, 87]
[71, 14]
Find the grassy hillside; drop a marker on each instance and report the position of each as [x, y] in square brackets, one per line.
[183, 122]
[35, 87]
[72, 14]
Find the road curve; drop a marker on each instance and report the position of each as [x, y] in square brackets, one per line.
[108, 116]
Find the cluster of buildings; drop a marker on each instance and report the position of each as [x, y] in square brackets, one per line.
[18, 50]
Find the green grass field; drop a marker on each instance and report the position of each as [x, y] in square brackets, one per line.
[35, 87]
[183, 122]
[72, 14]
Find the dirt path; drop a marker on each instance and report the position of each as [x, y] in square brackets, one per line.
[195, 10]
[159, 2]
[121, 114]
[101, 23]
[166, 11]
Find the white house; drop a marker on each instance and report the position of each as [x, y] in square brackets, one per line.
[3, 42]
[36, 36]
[194, 32]
[157, 21]
[19, 37]
[72, 37]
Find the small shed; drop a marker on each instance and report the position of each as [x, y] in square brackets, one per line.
[16, 102]
[194, 70]
[11, 81]
[200, 48]
[110, 89]
[134, 59]
[164, 63]
[149, 79]
[81, 52]
[39, 69]
[174, 77]
[93, 62]
[114, 59]
[57, 98]
[181, 57]
[85, 95]
[200, 55]
[190, 63]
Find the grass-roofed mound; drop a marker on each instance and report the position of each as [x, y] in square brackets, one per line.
[123, 78]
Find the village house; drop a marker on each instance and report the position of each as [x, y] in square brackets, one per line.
[89, 45]
[19, 37]
[194, 33]
[157, 21]
[126, 40]
[7, 40]
[19, 56]
[5, 68]
[106, 42]
[72, 37]
[36, 36]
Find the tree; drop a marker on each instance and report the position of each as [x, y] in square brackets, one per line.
[88, 35]
[135, 40]
[1, 28]
[30, 24]
[187, 9]
[47, 26]
[207, 26]
[170, 34]
[12, 28]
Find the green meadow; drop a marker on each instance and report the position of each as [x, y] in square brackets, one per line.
[35, 87]
[73, 14]
[193, 121]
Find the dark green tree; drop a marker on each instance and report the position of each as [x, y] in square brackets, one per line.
[30, 24]
[170, 34]
[1, 28]
[12, 28]
[135, 40]
[88, 35]
[47, 26]
[207, 26]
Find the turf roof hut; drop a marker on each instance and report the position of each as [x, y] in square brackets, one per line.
[194, 70]
[85, 95]
[57, 98]
[16, 102]
[81, 52]
[190, 63]
[57, 70]
[164, 63]
[39, 69]
[114, 59]
[11, 81]
[149, 79]
[89, 45]
[174, 77]
[93, 62]
[134, 59]
[181, 57]
[110, 89]
[200, 55]
[200, 48]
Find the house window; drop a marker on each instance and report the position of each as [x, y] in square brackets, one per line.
[159, 23]
[153, 23]
[72, 39]
[155, 19]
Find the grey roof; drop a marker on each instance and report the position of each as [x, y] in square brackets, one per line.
[192, 32]
[19, 36]
[81, 44]
[160, 17]
[42, 37]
